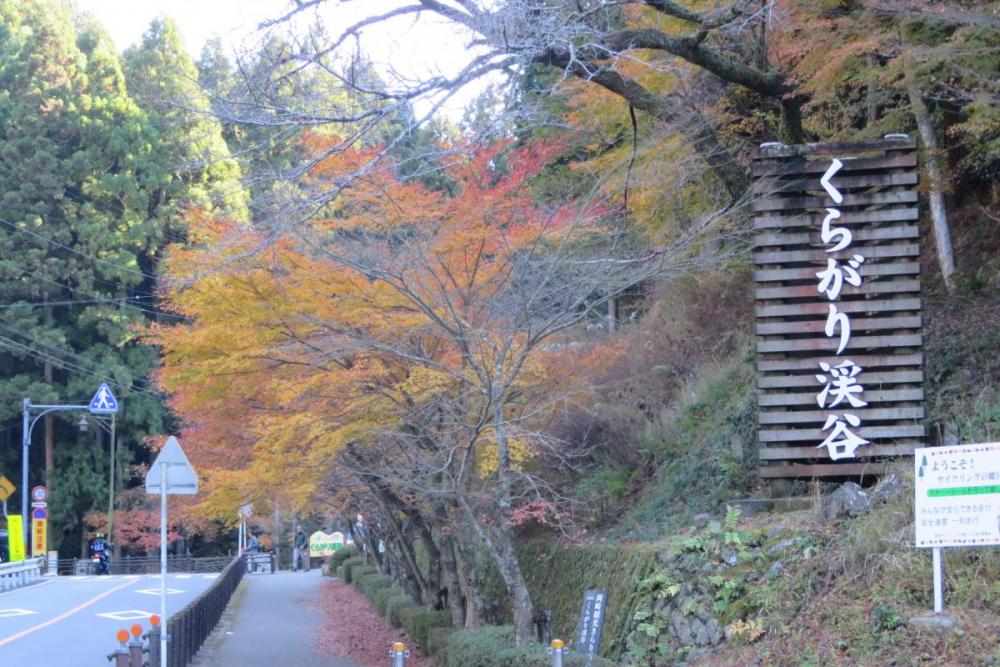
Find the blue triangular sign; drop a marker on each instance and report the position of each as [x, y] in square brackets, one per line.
[103, 402]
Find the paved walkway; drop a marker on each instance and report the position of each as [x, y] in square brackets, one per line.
[270, 623]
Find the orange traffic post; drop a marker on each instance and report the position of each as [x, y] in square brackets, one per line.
[120, 656]
[154, 641]
[135, 646]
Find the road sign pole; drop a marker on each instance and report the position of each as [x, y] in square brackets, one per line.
[111, 485]
[938, 592]
[25, 441]
[163, 563]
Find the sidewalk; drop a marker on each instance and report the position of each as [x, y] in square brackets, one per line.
[271, 622]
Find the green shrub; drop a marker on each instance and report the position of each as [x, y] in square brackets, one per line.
[436, 638]
[494, 647]
[417, 621]
[337, 559]
[394, 607]
[381, 597]
[346, 569]
[369, 584]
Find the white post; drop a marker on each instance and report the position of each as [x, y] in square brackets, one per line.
[938, 593]
[163, 563]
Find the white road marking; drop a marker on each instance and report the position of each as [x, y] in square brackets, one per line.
[63, 616]
[127, 615]
[156, 591]
[10, 613]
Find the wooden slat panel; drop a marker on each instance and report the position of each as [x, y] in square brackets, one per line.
[769, 186]
[823, 345]
[825, 470]
[835, 148]
[866, 361]
[848, 217]
[821, 310]
[768, 417]
[870, 270]
[878, 180]
[870, 253]
[858, 325]
[867, 432]
[872, 396]
[865, 379]
[811, 291]
[862, 199]
[782, 453]
[795, 167]
[894, 233]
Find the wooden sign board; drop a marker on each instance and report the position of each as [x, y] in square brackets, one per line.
[838, 308]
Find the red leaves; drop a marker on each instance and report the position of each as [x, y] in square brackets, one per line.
[353, 628]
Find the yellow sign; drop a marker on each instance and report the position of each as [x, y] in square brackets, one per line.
[39, 536]
[321, 544]
[6, 488]
[15, 537]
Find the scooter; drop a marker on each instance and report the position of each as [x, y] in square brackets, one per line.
[102, 563]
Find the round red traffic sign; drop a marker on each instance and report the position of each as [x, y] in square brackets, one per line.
[39, 493]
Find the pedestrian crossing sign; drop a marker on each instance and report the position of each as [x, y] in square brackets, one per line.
[103, 402]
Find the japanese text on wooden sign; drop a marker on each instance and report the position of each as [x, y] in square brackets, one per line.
[838, 309]
[957, 501]
[588, 633]
[840, 382]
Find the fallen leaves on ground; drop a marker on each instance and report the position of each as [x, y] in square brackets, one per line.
[352, 628]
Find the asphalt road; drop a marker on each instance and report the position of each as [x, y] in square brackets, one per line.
[72, 621]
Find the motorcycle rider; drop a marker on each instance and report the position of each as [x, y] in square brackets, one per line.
[99, 549]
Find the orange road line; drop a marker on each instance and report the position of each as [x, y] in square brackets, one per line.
[64, 616]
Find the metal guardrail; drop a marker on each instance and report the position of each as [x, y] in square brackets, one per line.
[20, 572]
[190, 627]
[146, 565]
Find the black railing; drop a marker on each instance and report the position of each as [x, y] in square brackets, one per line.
[146, 564]
[190, 627]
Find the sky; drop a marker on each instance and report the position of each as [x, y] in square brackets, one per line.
[410, 47]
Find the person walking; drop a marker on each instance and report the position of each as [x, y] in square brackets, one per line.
[301, 555]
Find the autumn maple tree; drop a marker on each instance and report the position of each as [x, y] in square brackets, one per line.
[400, 335]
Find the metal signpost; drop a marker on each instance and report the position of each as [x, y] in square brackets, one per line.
[171, 473]
[39, 520]
[957, 501]
[103, 403]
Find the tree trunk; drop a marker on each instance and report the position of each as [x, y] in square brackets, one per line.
[939, 212]
[475, 608]
[871, 105]
[449, 562]
[499, 541]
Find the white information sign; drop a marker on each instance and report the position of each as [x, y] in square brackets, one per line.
[957, 495]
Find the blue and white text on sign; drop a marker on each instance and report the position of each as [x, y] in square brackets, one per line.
[957, 500]
[103, 402]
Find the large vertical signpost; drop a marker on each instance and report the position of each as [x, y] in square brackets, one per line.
[171, 473]
[837, 276]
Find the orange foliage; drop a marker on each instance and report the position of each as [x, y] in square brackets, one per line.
[301, 345]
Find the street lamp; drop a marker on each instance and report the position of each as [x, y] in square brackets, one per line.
[27, 425]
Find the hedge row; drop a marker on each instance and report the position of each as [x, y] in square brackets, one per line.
[339, 556]
[493, 647]
[398, 608]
